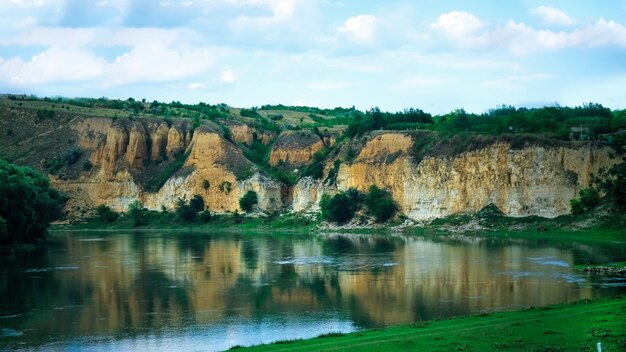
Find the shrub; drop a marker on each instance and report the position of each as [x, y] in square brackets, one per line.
[136, 212]
[206, 184]
[72, 155]
[27, 203]
[205, 216]
[87, 165]
[197, 203]
[341, 207]
[184, 211]
[380, 204]
[248, 201]
[105, 214]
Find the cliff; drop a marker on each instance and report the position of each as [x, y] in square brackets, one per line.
[158, 160]
[533, 180]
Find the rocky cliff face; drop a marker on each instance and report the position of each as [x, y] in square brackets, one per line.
[534, 180]
[295, 147]
[122, 150]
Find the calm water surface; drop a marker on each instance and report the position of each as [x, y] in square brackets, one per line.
[182, 291]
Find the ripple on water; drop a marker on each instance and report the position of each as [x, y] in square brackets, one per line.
[43, 270]
[10, 333]
[549, 261]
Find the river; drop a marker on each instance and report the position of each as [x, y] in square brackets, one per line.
[165, 290]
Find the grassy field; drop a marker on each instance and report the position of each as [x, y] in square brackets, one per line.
[568, 327]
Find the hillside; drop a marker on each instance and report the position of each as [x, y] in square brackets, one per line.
[112, 152]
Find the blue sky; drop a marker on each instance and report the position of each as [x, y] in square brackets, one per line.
[437, 55]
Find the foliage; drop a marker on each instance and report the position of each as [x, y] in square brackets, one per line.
[205, 216]
[248, 201]
[136, 212]
[105, 214]
[197, 203]
[72, 155]
[609, 189]
[380, 204]
[206, 184]
[184, 211]
[341, 207]
[87, 165]
[612, 184]
[27, 203]
[226, 187]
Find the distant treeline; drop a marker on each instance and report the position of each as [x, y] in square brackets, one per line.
[590, 121]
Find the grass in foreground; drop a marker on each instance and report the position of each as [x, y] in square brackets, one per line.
[567, 327]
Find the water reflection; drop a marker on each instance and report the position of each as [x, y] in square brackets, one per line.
[168, 290]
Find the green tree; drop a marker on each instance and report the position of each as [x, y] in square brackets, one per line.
[184, 211]
[380, 204]
[197, 203]
[248, 201]
[27, 204]
[136, 212]
[341, 207]
[105, 214]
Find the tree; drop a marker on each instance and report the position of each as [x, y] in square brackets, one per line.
[341, 207]
[184, 211]
[105, 214]
[27, 204]
[248, 201]
[380, 204]
[135, 212]
[197, 203]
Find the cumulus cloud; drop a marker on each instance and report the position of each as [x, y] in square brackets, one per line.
[362, 28]
[551, 15]
[521, 38]
[52, 66]
[458, 23]
[228, 76]
[155, 63]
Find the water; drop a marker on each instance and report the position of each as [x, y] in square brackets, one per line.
[205, 292]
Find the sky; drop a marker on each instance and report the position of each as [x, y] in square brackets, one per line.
[436, 55]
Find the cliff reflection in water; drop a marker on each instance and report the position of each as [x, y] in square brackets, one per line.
[128, 284]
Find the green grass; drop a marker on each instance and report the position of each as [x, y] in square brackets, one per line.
[567, 327]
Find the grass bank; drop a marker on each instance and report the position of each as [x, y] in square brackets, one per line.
[566, 327]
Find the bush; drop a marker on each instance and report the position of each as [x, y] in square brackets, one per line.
[205, 216]
[105, 214]
[197, 203]
[136, 212]
[341, 207]
[27, 204]
[248, 201]
[184, 211]
[72, 155]
[87, 165]
[380, 204]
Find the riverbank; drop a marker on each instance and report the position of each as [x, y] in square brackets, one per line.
[566, 327]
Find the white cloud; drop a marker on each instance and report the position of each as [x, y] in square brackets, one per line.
[551, 15]
[520, 38]
[195, 85]
[155, 63]
[228, 76]
[361, 28]
[458, 23]
[52, 66]
[51, 36]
